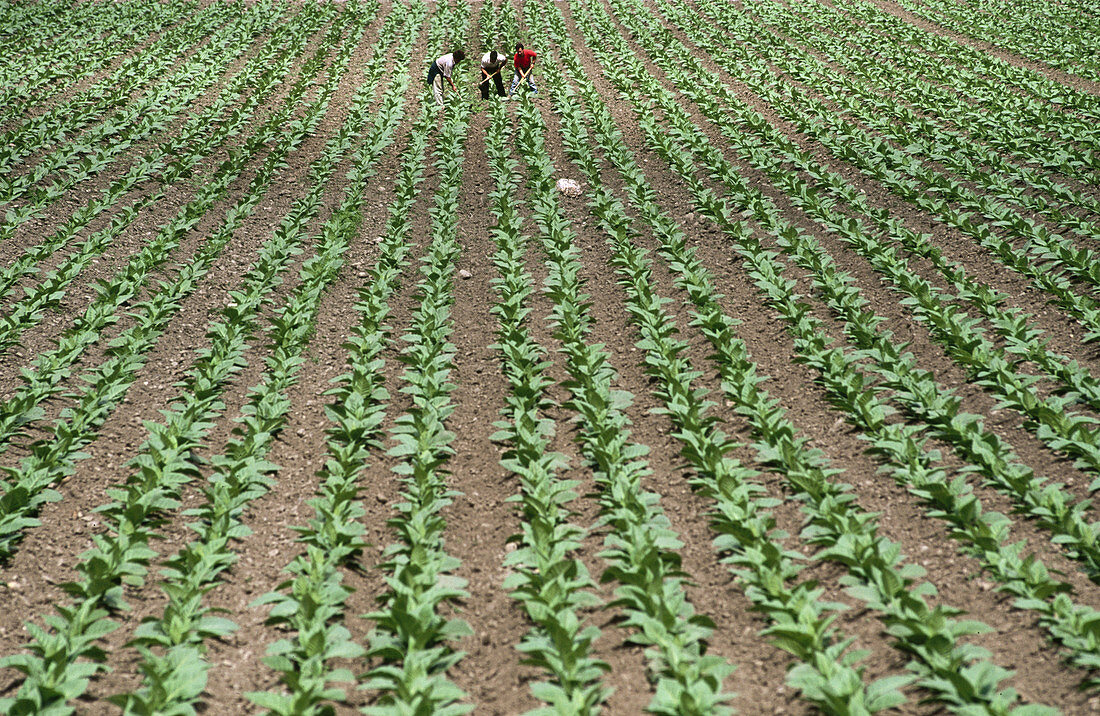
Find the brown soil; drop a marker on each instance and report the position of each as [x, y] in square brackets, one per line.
[481, 519]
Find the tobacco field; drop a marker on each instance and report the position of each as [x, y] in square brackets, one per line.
[749, 365]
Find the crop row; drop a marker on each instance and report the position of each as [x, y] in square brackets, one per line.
[310, 605]
[552, 584]
[412, 635]
[52, 458]
[713, 160]
[1047, 502]
[175, 677]
[41, 62]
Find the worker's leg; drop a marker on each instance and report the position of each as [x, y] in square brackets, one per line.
[500, 84]
[484, 87]
[437, 89]
[515, 82]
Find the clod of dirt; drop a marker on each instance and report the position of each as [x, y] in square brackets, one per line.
[465, 274]
[568, 187]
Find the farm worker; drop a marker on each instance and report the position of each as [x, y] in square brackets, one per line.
[521, 68]
[443, 67]
[492, 64]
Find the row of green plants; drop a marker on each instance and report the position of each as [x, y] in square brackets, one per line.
[1057, 508]
[549, 581]
[411, 643]
[53, 457]
[964, 679]
[54, 669]
[167, 161]
[641, 548]
[310, 605]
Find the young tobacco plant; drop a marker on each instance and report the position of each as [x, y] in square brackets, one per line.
[551, 584]
[800, 623]
[311, 604]
[410, 638]
[640, 545]
[878, 575]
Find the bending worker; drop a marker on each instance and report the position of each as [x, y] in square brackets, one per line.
[492, 64]
[443, 67]
[521, 68]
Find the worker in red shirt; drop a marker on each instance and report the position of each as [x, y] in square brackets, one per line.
[521, 68]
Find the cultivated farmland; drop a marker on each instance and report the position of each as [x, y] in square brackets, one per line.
[750, 365]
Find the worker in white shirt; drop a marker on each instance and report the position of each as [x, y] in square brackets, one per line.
[492, 64]
[443, 67]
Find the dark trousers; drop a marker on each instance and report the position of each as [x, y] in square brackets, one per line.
[484, 86]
